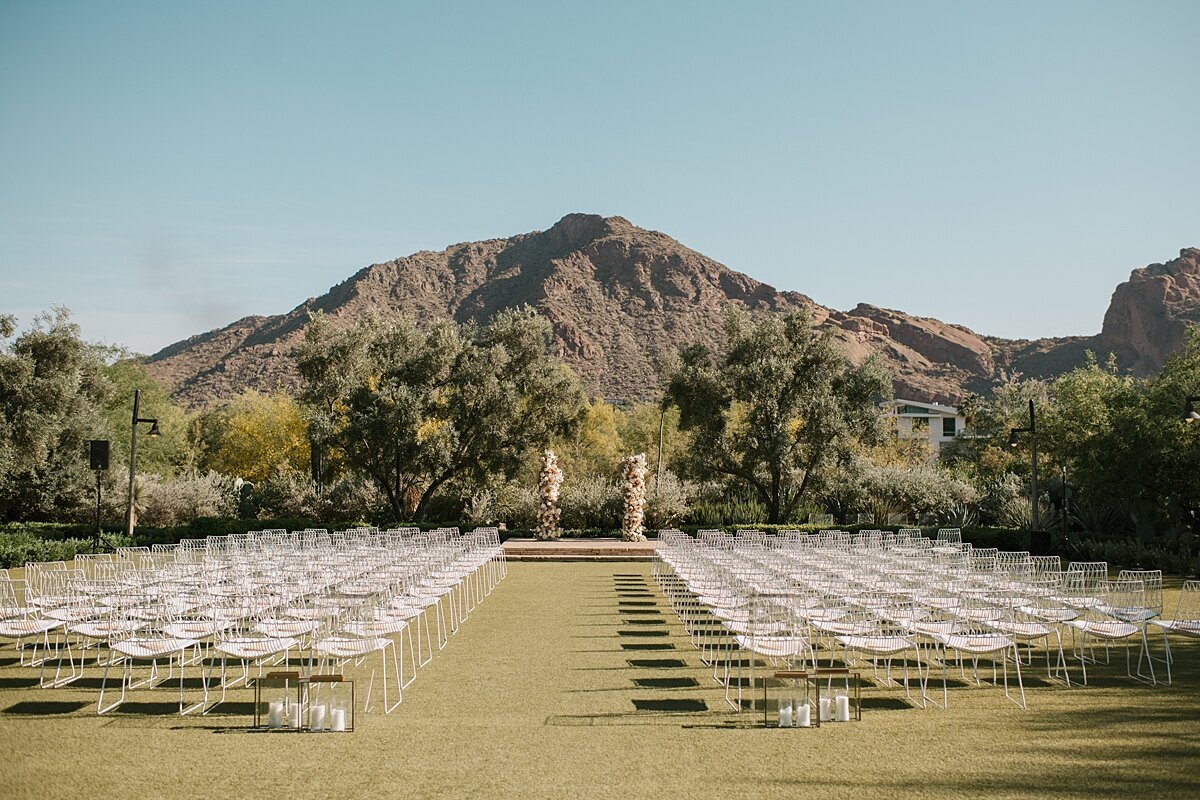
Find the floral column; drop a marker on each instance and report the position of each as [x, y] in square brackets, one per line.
[548, 484]
[633, 485]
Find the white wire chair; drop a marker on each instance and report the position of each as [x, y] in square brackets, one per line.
[1185, 621]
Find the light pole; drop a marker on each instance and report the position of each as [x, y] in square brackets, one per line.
[1035, 524]
[1066, 503]
[662, 421]
[137, 401]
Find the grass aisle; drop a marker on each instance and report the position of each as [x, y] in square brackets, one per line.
[576, 680]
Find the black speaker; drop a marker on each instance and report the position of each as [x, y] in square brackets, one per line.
[98, 453]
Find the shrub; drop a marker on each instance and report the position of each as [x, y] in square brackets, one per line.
[183, 499]
[917, 491]
[591, 501]
[511, 503]
[19, 548]
[666, 500]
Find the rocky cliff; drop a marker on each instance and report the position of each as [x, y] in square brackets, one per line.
[620, 298]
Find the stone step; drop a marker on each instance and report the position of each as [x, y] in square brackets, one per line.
[578, 550]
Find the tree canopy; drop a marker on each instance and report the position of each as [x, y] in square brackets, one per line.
[417, 409]
[52, 386]
[778, 410]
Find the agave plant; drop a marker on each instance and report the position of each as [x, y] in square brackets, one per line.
[960, 516]
[1092, 517]
[1017, 514]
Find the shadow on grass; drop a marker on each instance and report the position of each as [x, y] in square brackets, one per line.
[639, 611]
[643, 634]
[888, 704]
[45, 708]
[647, 646]
[18, 683]
[657, 663]
[666, 683]
[232, 708]
[644, 621]
[671, 705]
[148, 709]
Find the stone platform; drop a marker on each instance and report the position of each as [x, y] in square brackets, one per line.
[578, 550]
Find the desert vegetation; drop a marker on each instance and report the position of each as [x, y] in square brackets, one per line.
[450, 423]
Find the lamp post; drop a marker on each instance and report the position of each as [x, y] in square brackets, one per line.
[1190, 414]
[1066, 503]
[133, 431]
[1033, 478]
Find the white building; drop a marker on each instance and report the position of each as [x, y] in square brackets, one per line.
[936, 423]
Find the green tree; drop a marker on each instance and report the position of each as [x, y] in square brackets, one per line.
[52, 387]
[168, 454]
[639, 426]
[778, 411]
[415, 410]
[593, 446]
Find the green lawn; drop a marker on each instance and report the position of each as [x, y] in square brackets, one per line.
[537, 697]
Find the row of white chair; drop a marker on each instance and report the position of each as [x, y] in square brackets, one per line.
[904, 597]
[253, 599]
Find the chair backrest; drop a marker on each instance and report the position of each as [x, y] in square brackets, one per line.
[1188, 608]
[1045, 564]
[949, 536]
[1152, 580]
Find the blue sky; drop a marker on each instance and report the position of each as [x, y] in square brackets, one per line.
[166, 168]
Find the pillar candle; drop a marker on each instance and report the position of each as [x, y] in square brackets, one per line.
[824, 710]
[802, 716]
[339, 719]
[275, 714]
[318, 717]
[296, 721]
[785, 713]
[843, 708]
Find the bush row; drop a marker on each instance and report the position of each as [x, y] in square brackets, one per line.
[34, 541]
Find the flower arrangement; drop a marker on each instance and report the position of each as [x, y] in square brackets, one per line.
[549, 513]
[633, 485]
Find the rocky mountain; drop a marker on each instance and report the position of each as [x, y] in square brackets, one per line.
[620, 298]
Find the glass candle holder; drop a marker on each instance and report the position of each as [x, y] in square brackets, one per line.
[278, 699]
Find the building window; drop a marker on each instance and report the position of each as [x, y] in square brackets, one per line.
[949, 426]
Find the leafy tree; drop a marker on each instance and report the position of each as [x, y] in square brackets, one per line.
[257, 435]
[778, 411]
[594, 446]
[168, 454]
[52, 385]
[415, 410]
[638, 427]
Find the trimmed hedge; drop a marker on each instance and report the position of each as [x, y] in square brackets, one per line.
[22, 542]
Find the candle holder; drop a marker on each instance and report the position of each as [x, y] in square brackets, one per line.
[797, 711]
[278, 700]
[330, 704]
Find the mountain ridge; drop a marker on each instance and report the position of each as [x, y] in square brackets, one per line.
[619, 298]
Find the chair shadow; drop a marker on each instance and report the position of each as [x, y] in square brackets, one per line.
[666, 683]
[647, 646]
[657, 663]
[671, 705]
[45, 708]
[233, 708]
[148, 709]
